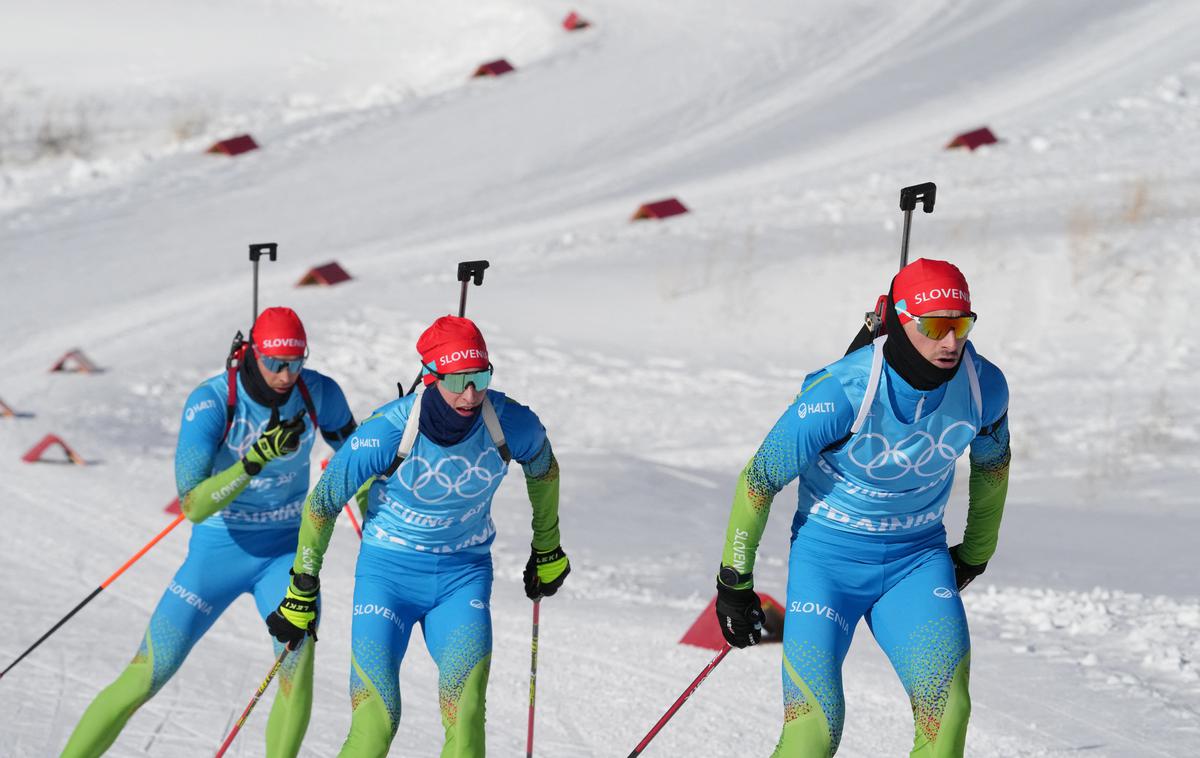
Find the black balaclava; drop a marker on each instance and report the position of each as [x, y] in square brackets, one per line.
[904, 359]
[256, 385]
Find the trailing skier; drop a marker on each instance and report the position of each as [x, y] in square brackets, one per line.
[241, 468]
[425, 469]
[873, 439]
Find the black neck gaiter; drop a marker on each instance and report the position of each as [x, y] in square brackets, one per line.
[441, 423]
[256, 386]
[904, 359]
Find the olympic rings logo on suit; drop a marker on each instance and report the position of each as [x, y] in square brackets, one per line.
[917, 453]
[433, 483]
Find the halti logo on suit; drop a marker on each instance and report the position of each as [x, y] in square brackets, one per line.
[804, 409]
[190, 413]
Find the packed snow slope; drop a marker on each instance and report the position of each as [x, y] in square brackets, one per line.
[657, 353]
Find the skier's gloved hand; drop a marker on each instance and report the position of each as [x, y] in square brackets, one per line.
[276, 440]
[739, 611]
[964, 573]
[544, 572]
[297, 613]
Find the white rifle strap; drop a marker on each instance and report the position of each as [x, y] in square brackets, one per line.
[492, 422]
[973, 378]
[411, 427]
[872, 385]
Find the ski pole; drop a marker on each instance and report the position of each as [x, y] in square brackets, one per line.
[253, 701]
[97, 591]
[682, 699]
[533, 678]
[353, 520]
[269, 249]
[467, 271]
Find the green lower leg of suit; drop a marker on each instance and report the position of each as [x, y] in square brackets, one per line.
[372, 729]
[463, 717]
[104, 719]
[806, 731]
[371, 726]
[938, 735]
[293, 702]
[944, 735]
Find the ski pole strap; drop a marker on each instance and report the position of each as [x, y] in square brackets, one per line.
[492, 421]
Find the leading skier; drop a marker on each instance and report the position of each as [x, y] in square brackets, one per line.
[873, 439]
[241, 467]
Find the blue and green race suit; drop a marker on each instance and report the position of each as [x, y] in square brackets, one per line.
[875, 462]
[243, 541]
[426, 558]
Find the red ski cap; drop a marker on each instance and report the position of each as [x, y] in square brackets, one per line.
[278, 332]
[452, 345]
[927, 285]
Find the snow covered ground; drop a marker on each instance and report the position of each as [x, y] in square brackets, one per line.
[657, 353]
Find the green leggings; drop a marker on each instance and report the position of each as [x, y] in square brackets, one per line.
[104, 719]
[806, 733]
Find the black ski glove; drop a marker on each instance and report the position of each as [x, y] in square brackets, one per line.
[544, 572]
[964, 573]
[740, 614]
[297, 612]
[276, 440]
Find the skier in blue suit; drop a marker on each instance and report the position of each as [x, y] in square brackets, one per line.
[241, 467]
[424, 469]
[873, 439]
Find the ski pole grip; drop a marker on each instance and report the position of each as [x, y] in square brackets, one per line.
[269, 249]
[926, 193]
[468, 270]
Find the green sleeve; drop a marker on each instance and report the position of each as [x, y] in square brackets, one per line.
[215, 492]
[541, 482]
[747, 521]
[990, 458]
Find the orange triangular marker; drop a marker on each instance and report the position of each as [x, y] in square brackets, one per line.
[35, 453]
[660, 209]
[574, 22]
[74, 361]
[243, 143]
[973, 139]
[494, 68]
[325, 276]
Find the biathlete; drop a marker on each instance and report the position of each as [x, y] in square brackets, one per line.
[873, 439]
[241, 468]
[425, 469]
